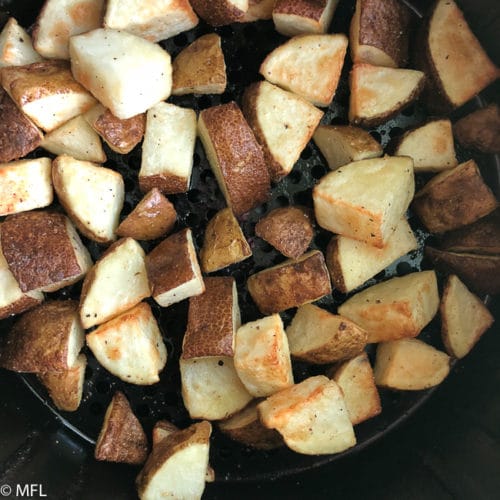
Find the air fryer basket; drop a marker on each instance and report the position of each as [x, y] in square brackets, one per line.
[244, 46]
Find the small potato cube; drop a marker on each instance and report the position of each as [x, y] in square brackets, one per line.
[224, 243]
[46, 92]
[154, 216]
[18, 134]
[130, 346]
[65, 387]
[25, 185]
[47, 338]
[288, 229]
[220, 12]
[246, 427]
[454, 198]
[235, 157]
[464, 318]
[355, 378]
[213, 318]
[352, 263]
[168, 148]
[92, 196]
[410, 365]
[366, 199]
[59, 20]
[117, 282]
[107, 63]
[262, 357]
[343, 144]
[16, 48]
[318, 336]
[43, 251]
[122, 438]
[211, 388]
[156, 21]
[396, 308]
[308, 65]
[200, 67]
[177, 467]
[430, 146]
[291, 283]
[311, 416]
[293, 17]
[282, 122]
[173, 269]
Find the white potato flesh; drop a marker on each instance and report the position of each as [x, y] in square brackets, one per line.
[16, 48]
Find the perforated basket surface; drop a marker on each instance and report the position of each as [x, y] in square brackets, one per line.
[244, 46]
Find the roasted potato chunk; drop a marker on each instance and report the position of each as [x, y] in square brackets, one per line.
[16, 48]
[220, 12]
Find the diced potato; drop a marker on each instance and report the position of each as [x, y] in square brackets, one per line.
[47, 338]
[456, 66]
[122, 136]
[318, 336]
[464, 318]
[154, 216]
[25, 185]
[168, 148]
[380, 32]
[117, 282]
[379, 93]
[16, 48]
[396, 308]
[213, 318]
[75, 138]
[311, 416]
[351, 262]
[366, 199]
[18, 134]
[262, 357]
[122, 438]
[107, 63]
[258, 10]
[235, 157]
[293, 17]
[156, 21]
[291, 283]
[454, 198]
[224, 243]
[130, 346]
[200, 67]
[173, 269]
[220, 12]
[430, 146]
[355, 378]
[59, 20]
[343, 144]
[46, 92]
[211, 388]
[176, 468]
[92, 196]
[282, 122]
[43, 251]
[288, 229]
[246, 427]
[410, 365]
[308, 65]
[65, 387]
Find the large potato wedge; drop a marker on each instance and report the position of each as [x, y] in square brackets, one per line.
[16, 47]
[409, 365]
[47, 338]
[43, 251]
[311, 416]
[291, 283]
[262, 357]
[122, 438]
[107, 62]
[366, 199]
[396, 308]
[318, 336]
